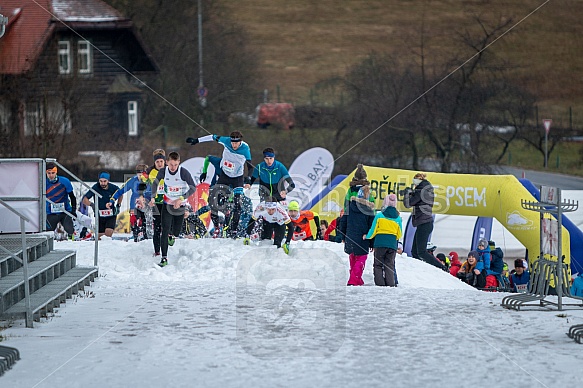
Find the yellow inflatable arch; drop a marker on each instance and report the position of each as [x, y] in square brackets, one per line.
[497, 196]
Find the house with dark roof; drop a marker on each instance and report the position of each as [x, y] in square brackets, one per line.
[73, 74]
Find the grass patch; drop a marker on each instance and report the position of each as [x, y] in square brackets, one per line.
[565, 158]
[303, 42]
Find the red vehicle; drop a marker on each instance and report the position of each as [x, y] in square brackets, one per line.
[280, 114]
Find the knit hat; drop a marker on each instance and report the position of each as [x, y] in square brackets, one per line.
[453, 256]
[390, 200]
[359, 176]
[474, 254]
[483, 242]
[293, 205]
[518, 263]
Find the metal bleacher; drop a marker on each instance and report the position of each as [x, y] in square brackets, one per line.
[53, 276]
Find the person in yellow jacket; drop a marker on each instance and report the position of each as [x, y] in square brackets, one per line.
[301, 222]
[386, 230]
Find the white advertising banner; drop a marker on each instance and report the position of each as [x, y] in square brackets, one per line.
[22, 190]
[550, 234]
[311, 172]
[194, 167]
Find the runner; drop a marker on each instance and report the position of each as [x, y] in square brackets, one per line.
[105, 205]
[236, 155]
[178, 185]
[60, 192]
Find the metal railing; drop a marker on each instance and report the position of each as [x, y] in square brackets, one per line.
[24, 262]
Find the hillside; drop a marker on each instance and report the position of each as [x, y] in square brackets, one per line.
[303, 42]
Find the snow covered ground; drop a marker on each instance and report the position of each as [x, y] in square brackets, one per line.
[226, 315]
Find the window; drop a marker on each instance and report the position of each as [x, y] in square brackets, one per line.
[5, 116]
[57, 119]
[84, 56]
[64, 57]
[132, 118]
[48, 118]
[32, 119]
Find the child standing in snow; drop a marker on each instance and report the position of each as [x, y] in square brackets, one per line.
[386, 231]
[354, 226]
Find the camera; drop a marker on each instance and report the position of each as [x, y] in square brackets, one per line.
[405, 191]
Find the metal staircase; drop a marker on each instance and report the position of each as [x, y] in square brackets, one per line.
[53, 276]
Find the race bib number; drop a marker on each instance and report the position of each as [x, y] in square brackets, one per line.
[174, 189]
[299, 236]
[106, 213]
[57, 207]
[522, 288]
[228, 166]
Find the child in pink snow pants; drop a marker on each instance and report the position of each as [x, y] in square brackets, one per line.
[355, 223]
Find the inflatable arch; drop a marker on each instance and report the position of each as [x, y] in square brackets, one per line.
[497, 196]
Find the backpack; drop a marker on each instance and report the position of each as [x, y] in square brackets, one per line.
[577, 287]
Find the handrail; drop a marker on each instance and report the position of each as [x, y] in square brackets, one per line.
[23, 219]
[95, 210]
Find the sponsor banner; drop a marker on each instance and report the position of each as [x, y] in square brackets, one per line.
[194, 167]
[311, 172]
[482, 230]
[497, 196]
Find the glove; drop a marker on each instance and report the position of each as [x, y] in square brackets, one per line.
[246, 241]
[286, 248]
[192, 140]
[202, 177]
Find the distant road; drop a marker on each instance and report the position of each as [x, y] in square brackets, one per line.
[564, 182]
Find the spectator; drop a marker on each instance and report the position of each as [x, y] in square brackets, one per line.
[483, 265]
[332, 233]
[469, 272]
[275, 223]
[323, 228]
[496, 266]
[444, 260]
[60, 191]
[386, 230]
[178, 185]
[301, 222]
[105, 205]
[272, 175]
[421, 198]
[354, 226]
[358, 181]
[455, 263]
[520, 279]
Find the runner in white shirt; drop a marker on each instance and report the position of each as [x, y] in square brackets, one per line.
[275, 221]
[236, 155]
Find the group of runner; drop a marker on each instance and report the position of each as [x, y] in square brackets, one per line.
[165, 187]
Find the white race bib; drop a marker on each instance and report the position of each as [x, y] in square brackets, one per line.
[106, 213]
[57, 207]
[522, 288]
[228, 166]
[299, 236]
